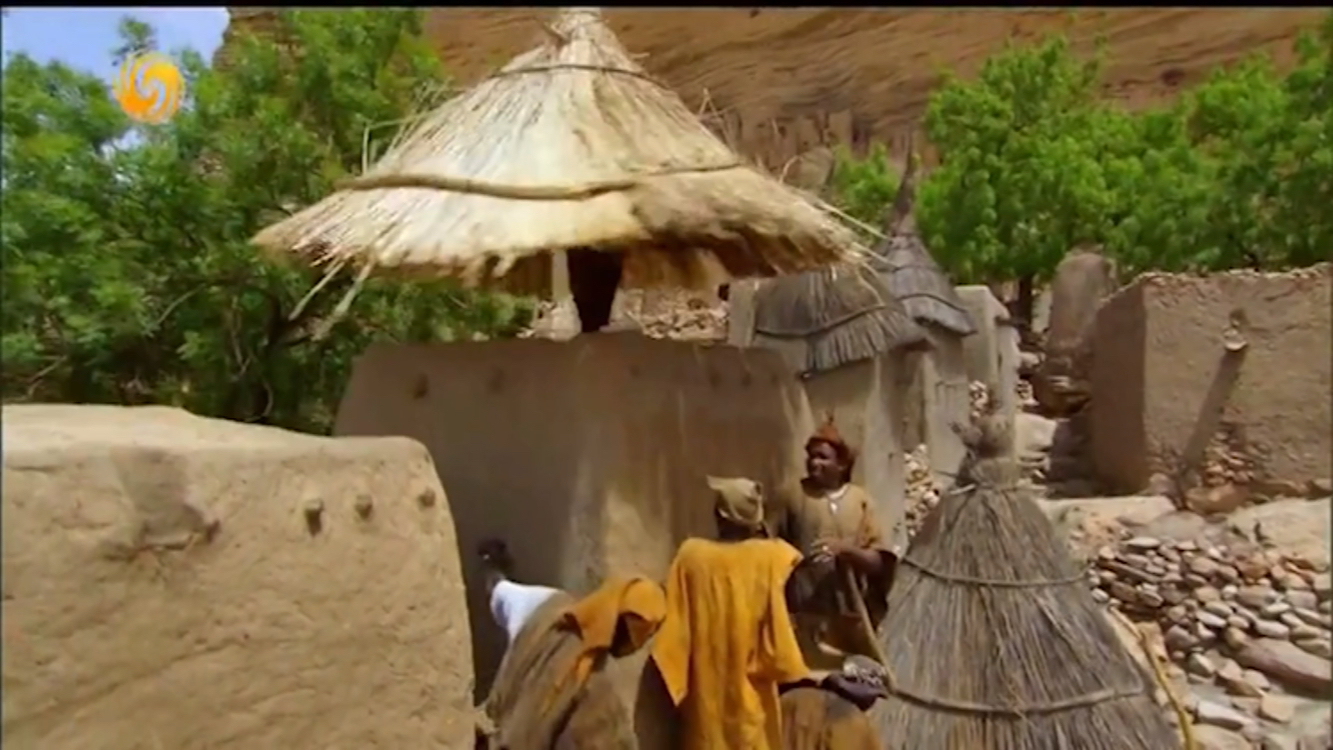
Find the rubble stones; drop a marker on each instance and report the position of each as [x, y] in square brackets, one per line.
[1218, 715]
[1231, 617]
[1276, 708]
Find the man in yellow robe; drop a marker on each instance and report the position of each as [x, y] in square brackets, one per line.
[727, 641]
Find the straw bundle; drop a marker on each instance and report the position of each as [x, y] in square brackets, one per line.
[824, 319]
[571, 145]
[992, 638]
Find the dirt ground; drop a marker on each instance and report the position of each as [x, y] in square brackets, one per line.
[790, 80]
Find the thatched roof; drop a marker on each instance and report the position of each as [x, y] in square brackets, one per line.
[993, 639]
[570, 145]
[824, 319]
[909, 270]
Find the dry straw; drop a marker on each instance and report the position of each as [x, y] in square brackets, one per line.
[820, 320]
[570, 145]
[994, 641]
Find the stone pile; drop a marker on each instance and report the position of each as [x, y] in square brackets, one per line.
[978, 398]
[684, 317]
[1248, 621]
[1205, 597]
[922, 493]
[662, 314]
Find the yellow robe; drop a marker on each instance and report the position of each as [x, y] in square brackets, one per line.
[727, 642]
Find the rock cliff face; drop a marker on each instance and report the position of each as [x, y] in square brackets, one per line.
[786, 82]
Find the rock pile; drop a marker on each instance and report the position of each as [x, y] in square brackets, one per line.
[1243, 620]
[683, 316]
[922, 492]
[1204, 596]
[662, 314]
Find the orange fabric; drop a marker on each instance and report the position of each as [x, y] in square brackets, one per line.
[728, 642]
[637, 602]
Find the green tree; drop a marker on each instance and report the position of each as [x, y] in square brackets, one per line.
[128, 272]
[1033, 162]
[1021, 177]
[863, 187]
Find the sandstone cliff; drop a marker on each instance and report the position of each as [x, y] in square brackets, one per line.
[788, 81]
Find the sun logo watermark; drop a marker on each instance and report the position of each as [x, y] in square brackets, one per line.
[149, 88]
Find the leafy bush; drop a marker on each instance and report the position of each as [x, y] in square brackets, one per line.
[128, 272]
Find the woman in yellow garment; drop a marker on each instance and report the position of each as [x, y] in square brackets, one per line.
[839, 593]
[727, 640]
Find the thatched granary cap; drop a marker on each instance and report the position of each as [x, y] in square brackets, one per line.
[820, 320]
[570, 145]
[909, 270]
[994, 640]
[915, 278]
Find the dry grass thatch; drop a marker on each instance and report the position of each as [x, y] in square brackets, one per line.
[908, 268]
[569, 145]
[993, 639]
[824, 319]
[925, 290]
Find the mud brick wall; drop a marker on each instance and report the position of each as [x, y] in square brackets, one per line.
[1164, 382]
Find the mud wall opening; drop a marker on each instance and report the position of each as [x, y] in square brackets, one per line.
[588, 457]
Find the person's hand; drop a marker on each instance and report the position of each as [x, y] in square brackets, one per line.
[833, 548]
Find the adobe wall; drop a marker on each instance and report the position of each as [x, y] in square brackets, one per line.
[944, 394]
[163, 587]
[865, 399]
[1117, 420]
[588, 456]
[991, 354]
[1274, 393]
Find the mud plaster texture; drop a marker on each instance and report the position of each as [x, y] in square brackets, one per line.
[162, 588]
[1161, 373]
[588, 457]
[990, 355]
[867, 401]
[937, 398]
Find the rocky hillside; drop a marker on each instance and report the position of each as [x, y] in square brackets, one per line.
[788, 81]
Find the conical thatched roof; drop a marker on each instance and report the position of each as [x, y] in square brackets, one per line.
[569, 145]
[824, 319]
[993, 639]
[911, 273]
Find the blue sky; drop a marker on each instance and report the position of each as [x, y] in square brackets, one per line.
[84, 37]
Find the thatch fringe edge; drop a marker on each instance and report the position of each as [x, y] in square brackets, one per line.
[518, 192]
[825, 328]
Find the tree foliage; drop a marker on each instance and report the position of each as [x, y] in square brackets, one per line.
[128, 272]
[864, 186]
[1033, 162]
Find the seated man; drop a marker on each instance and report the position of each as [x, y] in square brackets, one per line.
[727, 642]
[552, 691]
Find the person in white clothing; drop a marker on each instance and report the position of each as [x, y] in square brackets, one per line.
[512, 604]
